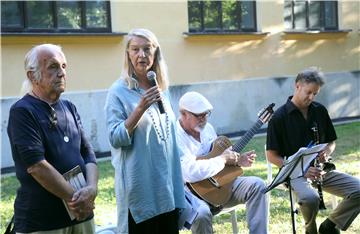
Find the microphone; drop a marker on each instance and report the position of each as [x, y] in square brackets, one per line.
[151, 75]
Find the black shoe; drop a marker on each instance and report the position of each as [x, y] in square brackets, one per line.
[328, 227]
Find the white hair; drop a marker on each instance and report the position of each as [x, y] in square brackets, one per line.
[159, 65]
[31, 63]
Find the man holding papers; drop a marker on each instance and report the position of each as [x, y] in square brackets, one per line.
[298, 123]
[47, 140]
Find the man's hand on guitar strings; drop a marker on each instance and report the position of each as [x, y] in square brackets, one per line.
[247, 159]
[230, 158]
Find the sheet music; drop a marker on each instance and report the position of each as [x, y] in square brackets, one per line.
[306, 155]
[304, 150]
[296, 165]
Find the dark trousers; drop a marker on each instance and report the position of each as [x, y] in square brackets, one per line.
[163, 223]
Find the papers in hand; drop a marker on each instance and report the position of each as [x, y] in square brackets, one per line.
[296, 165]
[77, 180]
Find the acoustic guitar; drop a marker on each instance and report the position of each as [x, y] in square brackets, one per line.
[216, 190]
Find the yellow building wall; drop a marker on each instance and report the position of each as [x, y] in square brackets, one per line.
[94, 62]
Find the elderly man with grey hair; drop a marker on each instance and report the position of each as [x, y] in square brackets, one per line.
[47, 140]
[195, 137]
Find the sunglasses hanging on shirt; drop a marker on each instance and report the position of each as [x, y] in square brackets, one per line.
[54, 121]
[52, 118]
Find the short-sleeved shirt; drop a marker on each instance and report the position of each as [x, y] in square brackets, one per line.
[288, 130]
[34, 136]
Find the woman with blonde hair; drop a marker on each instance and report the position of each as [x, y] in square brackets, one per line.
[148, 180]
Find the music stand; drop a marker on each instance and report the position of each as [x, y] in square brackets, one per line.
[295, 166]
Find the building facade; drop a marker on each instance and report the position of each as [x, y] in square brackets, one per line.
[242, 55]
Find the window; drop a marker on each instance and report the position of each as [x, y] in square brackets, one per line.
[55, 16]
[310, 15]
[222, 16]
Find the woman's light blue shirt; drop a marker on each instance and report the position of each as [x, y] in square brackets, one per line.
[148, 179]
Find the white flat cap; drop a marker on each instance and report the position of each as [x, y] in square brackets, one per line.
[195, 103]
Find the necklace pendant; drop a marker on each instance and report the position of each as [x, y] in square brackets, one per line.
[66, 139]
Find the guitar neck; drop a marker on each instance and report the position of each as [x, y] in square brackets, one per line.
[244, 140]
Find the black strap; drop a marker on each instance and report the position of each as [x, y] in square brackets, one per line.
[10, 227]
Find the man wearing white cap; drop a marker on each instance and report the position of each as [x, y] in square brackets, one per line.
[195, 136]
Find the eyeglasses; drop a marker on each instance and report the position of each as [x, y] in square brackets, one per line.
[53, 118]
[202, 115]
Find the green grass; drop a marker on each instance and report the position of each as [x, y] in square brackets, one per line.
[346, 157]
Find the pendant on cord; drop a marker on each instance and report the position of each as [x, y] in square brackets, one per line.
[66, 139]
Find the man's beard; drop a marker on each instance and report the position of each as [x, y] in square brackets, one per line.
[200, 127]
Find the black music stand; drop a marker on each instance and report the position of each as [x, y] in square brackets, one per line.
[294, 167]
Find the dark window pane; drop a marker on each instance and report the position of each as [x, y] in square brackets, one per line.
[194, 10]
[288, 14]
[39, 15]
[300, 14]
[310, 14]
[49, 16]
[231, 15]
[69, 15]
[96, 14]
[314, 15]
[212, 15]
[217, 16]
[10, 15]
[330, 14]
[248, 15]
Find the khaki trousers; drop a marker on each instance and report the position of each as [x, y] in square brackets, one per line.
[87, 227]
[334, 182]
[248, 190]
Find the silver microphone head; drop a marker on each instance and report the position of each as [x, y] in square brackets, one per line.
[151, 75]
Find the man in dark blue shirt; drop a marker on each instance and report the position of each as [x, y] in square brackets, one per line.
[300, 121]
[47, 140]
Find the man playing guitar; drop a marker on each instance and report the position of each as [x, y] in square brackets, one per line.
[195, 138]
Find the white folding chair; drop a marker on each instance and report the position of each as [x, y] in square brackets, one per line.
[232, 211]
[269, 179]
